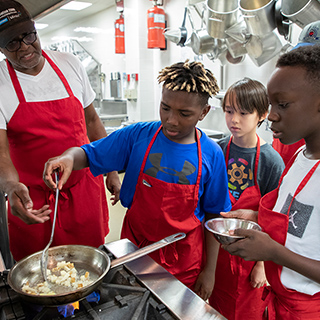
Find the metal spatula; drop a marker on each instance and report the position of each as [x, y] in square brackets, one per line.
[44, 257]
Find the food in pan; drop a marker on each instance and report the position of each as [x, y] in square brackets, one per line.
[64, 274]
[40, 289]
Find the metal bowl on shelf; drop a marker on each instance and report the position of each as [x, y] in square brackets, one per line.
[222, 228]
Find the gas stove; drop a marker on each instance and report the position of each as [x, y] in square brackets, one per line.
[138, 290]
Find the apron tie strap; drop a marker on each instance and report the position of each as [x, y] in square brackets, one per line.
[269, 297]
[51, 202]
[168, 255]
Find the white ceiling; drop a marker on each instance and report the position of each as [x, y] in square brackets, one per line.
[48, 12]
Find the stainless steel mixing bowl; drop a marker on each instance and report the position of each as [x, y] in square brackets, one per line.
[221, 227]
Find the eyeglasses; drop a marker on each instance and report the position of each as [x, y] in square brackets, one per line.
[28, 39]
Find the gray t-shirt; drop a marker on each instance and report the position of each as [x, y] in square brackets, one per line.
[241, 167]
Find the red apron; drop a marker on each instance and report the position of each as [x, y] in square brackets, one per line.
[160, 209]
[36, 132]
[284, 303]
[233, 296]
[287, 151]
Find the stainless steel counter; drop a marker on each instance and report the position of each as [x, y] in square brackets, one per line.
[183, 302]
[111, 112]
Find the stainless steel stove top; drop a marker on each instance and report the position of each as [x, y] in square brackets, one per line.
[183, 302]
[138, 290]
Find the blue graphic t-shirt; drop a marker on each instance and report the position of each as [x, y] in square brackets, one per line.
[167, 161]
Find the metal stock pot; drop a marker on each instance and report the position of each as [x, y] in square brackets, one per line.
[221, 15]
[259, 15]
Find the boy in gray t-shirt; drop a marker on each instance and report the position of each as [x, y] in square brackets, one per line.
[254, 169]
[241, 167]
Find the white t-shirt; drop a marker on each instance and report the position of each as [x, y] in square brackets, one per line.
[46, 85]
[303, 235]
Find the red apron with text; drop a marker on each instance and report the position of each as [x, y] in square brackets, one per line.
[36, 132]
[285, 304]
[160, 209]
[233, 296]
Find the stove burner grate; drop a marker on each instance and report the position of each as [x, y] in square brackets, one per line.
[121, 297]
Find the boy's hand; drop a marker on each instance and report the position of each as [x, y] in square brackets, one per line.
[204, 285]
[257, 245]
[63, 164]
[246, 214]
[113, 184]
[258, 276]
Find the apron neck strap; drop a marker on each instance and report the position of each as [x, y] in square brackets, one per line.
[289, 164]
[303, 183]
[199, 157]
[17, 85]
[15, 82]
[59, 73]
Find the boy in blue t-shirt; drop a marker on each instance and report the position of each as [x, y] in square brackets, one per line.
[175, 176]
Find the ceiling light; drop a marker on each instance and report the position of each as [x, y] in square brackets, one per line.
[40, 26]
[65, 38]
[76, 5]
[88, 30]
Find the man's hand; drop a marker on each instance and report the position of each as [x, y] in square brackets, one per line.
[22, 205]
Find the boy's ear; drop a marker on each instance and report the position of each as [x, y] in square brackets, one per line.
[263, 117]
[204, 112]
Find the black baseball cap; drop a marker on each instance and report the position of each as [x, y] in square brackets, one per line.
[14, 21]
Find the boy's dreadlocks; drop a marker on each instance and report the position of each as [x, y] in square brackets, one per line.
[190, 77]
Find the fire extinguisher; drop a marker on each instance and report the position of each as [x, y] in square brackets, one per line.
[119, 35]
[156, 26]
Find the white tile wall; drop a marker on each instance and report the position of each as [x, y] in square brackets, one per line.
[148, 62]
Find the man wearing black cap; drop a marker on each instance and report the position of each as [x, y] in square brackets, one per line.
[45, 108]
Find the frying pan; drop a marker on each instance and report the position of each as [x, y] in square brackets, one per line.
[85, 258]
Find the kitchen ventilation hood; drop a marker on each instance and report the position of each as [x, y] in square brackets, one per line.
[39, 9]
